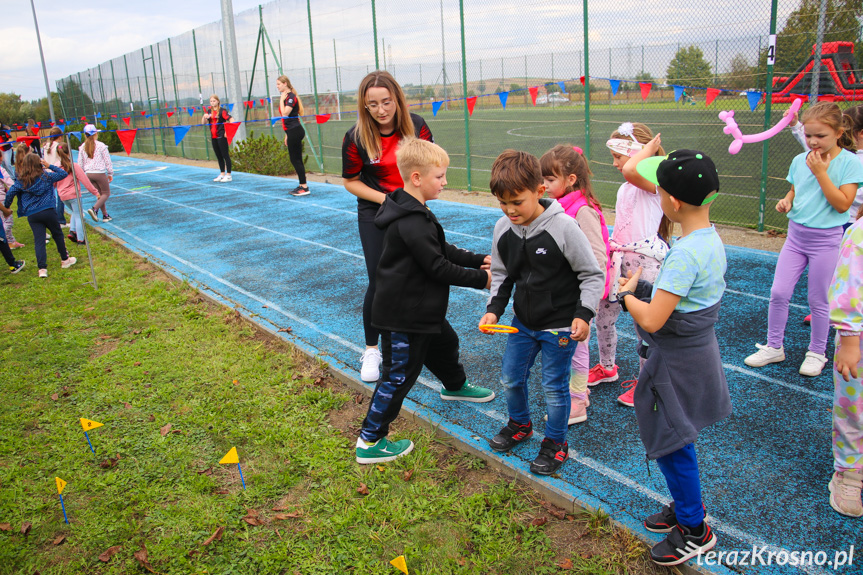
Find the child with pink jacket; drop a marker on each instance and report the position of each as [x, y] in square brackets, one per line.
[68, 193]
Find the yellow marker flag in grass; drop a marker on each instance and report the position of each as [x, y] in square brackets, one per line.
[231, 457]
[400, 564]
[87, 424]
[60, 485]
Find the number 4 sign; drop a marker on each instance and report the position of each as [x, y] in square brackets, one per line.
[771, 50]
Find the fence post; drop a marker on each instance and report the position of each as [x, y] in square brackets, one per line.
[266, 72]
[176, 95]
[464, 92]
[224, 75]
[315, 85]
[771, 56]
[162, 79]
[147, 86]
[116, 94]
[586, 85]
[375, 30]
[200, 92]
[131, 98]
[102, 91]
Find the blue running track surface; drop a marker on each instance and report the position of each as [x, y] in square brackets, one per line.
[297, 262]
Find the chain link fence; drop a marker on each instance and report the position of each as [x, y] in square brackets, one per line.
[672, 66]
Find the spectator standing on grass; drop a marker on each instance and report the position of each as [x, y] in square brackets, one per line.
[33, 130]
[217, 117]
[639, 240]
[49, 152]
[370, 173]
[7, 159]
[34, 187]
[6, 182]
[824, 182]
[68, 193]
[93, 156]
[290, 109]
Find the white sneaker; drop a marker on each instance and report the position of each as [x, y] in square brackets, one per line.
[68, 263]
[227, 178]
[765, 355]
[218, 178]
[371, 370]
[43, 273]
[813, 364]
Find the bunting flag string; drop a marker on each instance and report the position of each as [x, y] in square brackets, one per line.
[435, 107]
[180, 133]
[322, 118]
[503, 98]
[274, 120]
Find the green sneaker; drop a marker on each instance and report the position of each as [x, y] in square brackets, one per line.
[384, 450]
[468, 392]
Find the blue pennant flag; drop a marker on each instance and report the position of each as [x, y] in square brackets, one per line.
[148, 116]
[60, 126]
[562, 87]
[268, 100]
[435, 107]
[76, 134]
[191, 110]
[104, 123]
[180, 133]
[754, 98]
[230, 107]
[678, 92]
[274, 120]
[503, 97]
[615, 86]
[98, 115]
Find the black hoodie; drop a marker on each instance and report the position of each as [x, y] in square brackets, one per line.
[417, 267]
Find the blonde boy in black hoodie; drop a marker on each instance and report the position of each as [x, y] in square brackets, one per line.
[416, 268]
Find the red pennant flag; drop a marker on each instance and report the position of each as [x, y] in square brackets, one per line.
[127, 138]
[170, 114]
[534, 90]
[28, 139]
[645, 89]
[62, 121]
[581, 80]
[471, 102]
[143, 113]
[322, 118]
[52, 123]
[711, 95]
[39, 124]
[113, 115]
[127, 121]
[263, 100]
[231, 130]
[83, 118]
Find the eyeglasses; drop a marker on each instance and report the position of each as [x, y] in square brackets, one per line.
[386, 104]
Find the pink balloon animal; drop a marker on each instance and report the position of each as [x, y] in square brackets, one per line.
[739, 139]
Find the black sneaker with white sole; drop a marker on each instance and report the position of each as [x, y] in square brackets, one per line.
[300, 191]
[682, 544]
[551, 456]
[107, 218]
[16, 267]
[665, 520]
[510, 436]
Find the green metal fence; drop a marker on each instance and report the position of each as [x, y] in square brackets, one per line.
[524, 63]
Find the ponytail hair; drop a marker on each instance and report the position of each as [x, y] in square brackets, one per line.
[287, 82]
[21, 151]
[65, 158]
[90, 145]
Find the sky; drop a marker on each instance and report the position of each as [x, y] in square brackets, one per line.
[79, 35]
[504, 38]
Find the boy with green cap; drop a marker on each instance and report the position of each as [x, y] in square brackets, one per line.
[681, 388]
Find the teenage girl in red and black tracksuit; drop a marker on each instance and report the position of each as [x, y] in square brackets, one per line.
[370, 173]
[291, 108]
[217, 117]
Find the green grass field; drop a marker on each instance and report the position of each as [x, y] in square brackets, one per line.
[537, 129]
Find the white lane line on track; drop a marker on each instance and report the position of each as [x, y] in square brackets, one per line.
[145, 171]
[494, 414]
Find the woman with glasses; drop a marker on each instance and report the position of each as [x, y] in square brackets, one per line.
[370, 173]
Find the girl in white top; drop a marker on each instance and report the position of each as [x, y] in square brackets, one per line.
[640, 240]
[93, 156]
[49, 154]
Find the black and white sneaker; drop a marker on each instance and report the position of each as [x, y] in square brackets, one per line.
[300, 191]
[682, 544]
[107, 218]
[16, 267]
[665, 520]
[510, 436]
[551, 456]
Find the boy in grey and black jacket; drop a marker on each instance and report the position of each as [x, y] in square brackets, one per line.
[543, 253]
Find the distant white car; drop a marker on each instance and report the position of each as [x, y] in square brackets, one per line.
[546, 99]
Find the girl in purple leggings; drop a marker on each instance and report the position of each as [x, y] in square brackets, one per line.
[824, 182]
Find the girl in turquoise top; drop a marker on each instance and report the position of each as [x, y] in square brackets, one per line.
[824, 182]
[846, 315]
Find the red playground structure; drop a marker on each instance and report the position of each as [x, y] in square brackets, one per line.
[840, 80]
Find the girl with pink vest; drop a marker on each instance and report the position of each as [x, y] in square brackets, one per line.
[567, 179]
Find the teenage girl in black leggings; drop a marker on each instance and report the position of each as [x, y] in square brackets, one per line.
[290, 108]
[370, 173]
[217, 117]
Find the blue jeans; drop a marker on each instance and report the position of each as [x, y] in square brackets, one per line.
[60, 209]
[519, 356]
[76, 225]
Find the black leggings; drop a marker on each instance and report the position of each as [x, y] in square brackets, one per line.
[372, 240]
[220, 146]
[295, 150]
